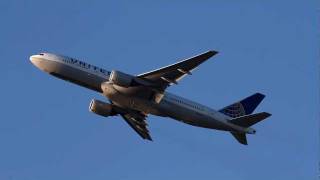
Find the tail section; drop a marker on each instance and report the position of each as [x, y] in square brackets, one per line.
[241, 114]
[243, 107]
[246, 121]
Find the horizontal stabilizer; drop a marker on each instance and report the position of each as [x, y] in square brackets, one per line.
[249, 120]
[241, 137]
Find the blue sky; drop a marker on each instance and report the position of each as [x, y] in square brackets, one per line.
[47, 132]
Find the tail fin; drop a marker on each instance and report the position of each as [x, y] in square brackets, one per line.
[243, 107]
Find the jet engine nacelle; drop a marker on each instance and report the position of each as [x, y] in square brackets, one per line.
[101, 108]
[127, 80]
[121, 79]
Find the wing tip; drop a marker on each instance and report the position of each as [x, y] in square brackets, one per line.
[148, 138]
[208, 54]
[212, 52]
[266, 114]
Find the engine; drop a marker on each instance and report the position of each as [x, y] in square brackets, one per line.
[121, 79]
[127, 80]
[101, 108]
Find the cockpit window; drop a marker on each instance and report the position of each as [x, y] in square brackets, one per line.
[41, 54]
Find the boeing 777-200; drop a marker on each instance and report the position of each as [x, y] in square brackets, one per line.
[135, 96]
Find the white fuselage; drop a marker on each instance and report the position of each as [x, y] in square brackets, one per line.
[96, 78]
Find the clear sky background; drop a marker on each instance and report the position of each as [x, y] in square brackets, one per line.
[47, 132]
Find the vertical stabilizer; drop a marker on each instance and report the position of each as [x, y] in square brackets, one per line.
[243, 107]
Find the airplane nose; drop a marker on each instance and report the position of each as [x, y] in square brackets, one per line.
[35, 60]
[32, 58]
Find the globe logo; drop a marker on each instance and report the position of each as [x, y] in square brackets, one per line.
[234, 110]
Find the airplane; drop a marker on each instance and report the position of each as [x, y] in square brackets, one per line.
[134, 97]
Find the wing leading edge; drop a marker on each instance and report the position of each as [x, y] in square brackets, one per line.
[171, 74]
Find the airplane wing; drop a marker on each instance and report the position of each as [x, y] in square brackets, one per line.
[138, 122]
[171, 74]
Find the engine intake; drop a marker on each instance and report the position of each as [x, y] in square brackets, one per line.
[101, 108]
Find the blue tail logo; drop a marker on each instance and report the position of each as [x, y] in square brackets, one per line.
[243, 107]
